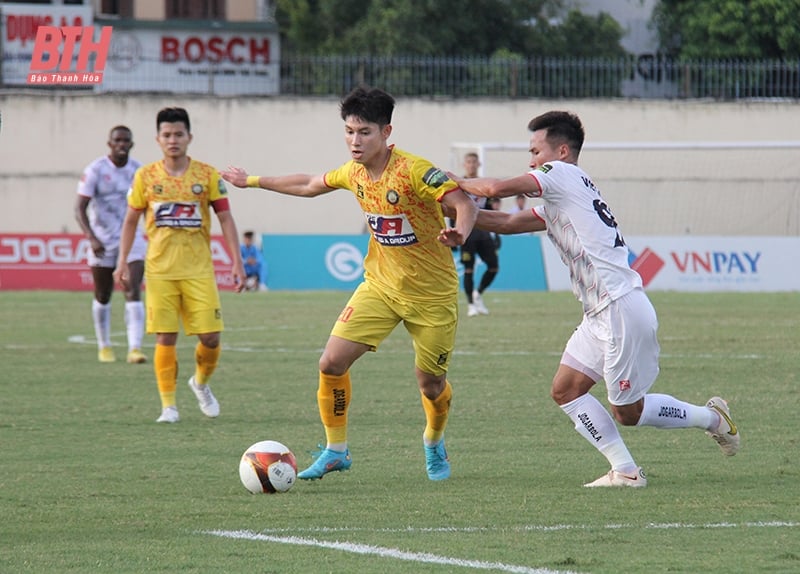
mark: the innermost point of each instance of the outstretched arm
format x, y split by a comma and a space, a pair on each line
524, 221
489, 187
299, 185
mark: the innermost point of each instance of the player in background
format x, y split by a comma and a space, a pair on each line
520, 201
176, 195
100, 209
409, 276
480, 243
253, 263
616, 340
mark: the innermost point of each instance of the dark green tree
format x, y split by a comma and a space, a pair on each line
735, 29
444, 28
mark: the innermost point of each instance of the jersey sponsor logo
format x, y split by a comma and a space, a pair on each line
391, 230
178, 214
435, 177
221, 186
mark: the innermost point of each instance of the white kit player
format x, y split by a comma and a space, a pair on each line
100, 210
616, 340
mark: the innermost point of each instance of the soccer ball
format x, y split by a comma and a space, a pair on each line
268, 467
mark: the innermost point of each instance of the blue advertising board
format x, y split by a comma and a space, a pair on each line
335, 262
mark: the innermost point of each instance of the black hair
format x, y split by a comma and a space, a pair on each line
119, 128
172, 115
562, 127
370, 104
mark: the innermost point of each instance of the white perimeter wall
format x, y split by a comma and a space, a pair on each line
46, 141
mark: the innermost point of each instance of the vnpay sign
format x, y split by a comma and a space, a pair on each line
697, 265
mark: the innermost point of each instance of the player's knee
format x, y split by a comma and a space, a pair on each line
627, 415
330, 366
210, 340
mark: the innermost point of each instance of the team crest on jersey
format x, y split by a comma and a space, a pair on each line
158, 190
435, 177
197, 189
391, 230
392, 197
545, 168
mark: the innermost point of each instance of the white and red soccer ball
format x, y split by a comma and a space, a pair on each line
268, 467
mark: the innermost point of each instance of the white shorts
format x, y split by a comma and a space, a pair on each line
109, 258
620, 346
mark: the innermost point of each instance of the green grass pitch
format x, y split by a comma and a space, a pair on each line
90, 483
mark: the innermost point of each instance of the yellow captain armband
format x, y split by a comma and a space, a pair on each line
252, 180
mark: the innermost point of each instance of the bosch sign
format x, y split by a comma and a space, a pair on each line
215, 50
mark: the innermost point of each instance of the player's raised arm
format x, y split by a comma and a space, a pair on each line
299, 185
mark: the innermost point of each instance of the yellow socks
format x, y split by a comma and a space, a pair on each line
206, 360
333, 398
165, 364
436, 412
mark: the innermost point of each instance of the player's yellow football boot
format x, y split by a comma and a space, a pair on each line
106, 355
136, 356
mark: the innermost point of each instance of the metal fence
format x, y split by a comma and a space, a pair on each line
643, 77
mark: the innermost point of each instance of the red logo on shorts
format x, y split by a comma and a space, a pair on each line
625, 385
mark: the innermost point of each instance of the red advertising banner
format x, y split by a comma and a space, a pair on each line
58, 261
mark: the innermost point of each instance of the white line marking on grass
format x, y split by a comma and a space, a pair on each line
422, 557
546, 528
249, 347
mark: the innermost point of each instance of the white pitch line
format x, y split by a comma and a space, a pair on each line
422, 557
541, 527
257, 348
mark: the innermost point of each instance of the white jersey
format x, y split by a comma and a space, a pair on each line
585, 233
107, 185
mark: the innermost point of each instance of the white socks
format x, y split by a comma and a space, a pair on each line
101, 315
666, 412
594, 423
134, 321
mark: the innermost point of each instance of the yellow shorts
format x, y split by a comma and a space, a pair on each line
193, 302
370, 316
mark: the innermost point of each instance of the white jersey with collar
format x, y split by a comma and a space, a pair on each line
107, 185
585, 233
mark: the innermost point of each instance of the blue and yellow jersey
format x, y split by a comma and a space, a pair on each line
177, 218
404, 258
